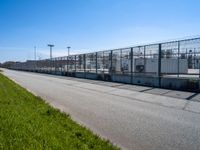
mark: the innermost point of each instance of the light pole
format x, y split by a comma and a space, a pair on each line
68, 49
50, 45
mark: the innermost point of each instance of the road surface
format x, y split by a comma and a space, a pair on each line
130, 119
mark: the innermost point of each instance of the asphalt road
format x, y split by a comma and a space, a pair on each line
130, 119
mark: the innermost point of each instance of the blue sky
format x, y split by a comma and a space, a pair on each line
91, 25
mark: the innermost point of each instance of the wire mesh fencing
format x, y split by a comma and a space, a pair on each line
173, 65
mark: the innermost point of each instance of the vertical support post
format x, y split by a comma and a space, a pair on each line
159, 64
111, 63
50, 52
54, 65
131, 57
103, 61
96, 62
35, 66
50, 59
63, 65
199, 67
178, 59
67, 65
60, 65
121, 61
145, 59
194, 58
75, 64
35, 58
84, 65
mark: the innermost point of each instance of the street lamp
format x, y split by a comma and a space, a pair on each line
68, 49
50, 45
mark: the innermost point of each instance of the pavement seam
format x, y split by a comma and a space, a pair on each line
187, 103
116, 86
165, 93
146, 90
190, 97
159, 104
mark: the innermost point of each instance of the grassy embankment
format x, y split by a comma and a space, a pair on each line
27, 122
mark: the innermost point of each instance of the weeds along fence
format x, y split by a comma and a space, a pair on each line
172, 65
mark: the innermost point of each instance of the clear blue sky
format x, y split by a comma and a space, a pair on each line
91, 25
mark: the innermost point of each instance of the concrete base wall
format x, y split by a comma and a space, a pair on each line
58, 73
80, 74
146, 81
180, 84
91, 76
121, 78
70, 74
173, 83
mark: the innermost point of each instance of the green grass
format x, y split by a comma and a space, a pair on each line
27, 122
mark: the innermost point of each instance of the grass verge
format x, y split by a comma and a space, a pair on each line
27, 122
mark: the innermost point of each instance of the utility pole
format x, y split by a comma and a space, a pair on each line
50, 45
68, 49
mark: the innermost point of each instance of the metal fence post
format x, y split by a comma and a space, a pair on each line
199, 68
55, 65
60, 65
84, 65
178, 58
35, 65
131, 57
96, 62
121, 61
111, 61
145, 60
75, 63
159, 65
67, 64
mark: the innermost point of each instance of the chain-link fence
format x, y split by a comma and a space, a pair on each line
174, 65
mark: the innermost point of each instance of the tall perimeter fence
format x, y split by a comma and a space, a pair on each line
171, 65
